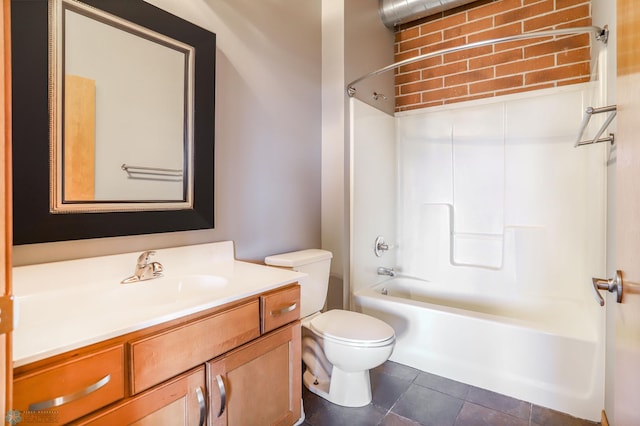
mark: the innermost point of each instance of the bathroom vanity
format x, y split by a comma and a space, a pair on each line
232, 357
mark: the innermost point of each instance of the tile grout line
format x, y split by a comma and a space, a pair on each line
464, 400
396, 402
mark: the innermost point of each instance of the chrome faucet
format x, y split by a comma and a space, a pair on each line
386, 271
144, 269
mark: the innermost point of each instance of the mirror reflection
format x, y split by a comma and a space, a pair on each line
113, 112
124, 135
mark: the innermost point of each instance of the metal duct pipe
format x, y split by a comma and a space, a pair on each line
394, 12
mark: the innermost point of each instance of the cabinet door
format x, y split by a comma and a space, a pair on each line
259, 383
180, 401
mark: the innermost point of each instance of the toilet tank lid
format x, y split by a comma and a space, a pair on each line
298, 258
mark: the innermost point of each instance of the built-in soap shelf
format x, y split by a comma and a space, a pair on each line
588, 113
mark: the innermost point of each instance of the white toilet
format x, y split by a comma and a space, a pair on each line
338, 347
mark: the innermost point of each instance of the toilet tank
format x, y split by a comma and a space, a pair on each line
316, 264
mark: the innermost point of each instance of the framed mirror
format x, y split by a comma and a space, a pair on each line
113, 120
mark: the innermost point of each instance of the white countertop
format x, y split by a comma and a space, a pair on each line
66, 305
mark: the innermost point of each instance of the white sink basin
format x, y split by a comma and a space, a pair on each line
112, 298
170, 290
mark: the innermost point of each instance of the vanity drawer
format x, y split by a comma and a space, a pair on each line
161, 356
70, 389
279, 307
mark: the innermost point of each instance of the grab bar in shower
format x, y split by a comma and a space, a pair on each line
588, 113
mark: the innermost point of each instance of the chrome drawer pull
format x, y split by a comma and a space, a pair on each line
55, 402
202, 404
223, 395
283, 310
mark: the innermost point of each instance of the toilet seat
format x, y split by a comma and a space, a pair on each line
352, 328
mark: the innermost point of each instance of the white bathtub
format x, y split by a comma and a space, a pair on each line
545, 352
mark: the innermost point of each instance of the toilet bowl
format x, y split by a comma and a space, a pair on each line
338, 347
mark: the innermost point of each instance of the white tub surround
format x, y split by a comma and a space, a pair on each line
501, 220
66, 305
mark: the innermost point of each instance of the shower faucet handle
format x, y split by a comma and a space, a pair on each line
380, 246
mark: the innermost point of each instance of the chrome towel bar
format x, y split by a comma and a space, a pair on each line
151, 170
585, 121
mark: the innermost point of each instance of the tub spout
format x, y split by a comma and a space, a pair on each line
386, 271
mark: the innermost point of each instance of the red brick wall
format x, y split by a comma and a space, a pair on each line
497, 69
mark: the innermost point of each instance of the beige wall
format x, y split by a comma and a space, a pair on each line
354, 42
334, 227
268, 134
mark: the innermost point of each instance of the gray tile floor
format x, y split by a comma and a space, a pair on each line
404, 396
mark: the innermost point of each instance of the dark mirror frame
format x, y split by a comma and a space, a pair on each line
32, 220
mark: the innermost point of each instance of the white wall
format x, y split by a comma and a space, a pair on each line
268, 133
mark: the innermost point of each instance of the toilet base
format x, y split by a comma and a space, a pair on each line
302, 415
348, 389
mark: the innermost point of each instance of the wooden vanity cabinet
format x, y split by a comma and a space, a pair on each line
259, 383
243, 357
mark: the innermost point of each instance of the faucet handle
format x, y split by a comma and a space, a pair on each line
381, 246
157, 268
143, 259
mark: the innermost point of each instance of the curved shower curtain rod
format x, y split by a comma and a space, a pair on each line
601, 34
